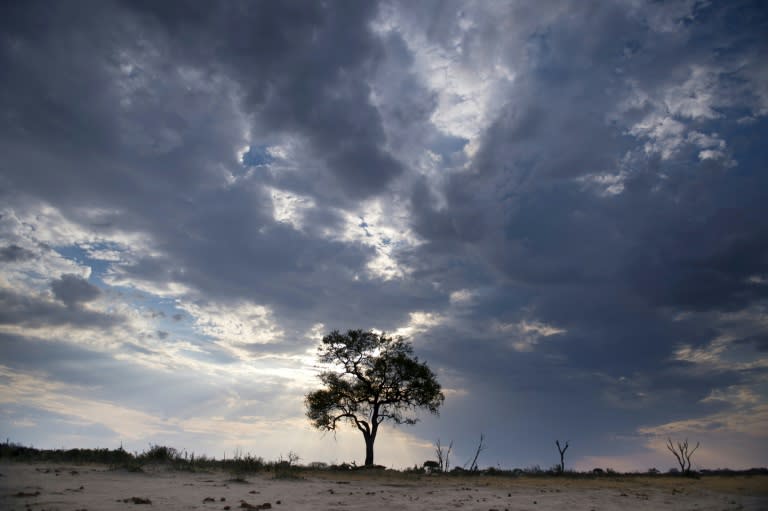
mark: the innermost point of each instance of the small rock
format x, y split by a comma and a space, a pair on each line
136, 500
246, 505
24, 494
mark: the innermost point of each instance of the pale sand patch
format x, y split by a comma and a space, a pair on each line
94, 488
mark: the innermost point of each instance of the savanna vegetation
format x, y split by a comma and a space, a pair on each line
289, 466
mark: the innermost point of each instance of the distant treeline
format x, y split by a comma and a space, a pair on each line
246, 463
608, 472
121, 459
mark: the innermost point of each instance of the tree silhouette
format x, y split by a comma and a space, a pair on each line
480, 448
377, 379
682, 454
443, 455
562, 450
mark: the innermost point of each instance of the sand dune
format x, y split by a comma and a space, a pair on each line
96, 488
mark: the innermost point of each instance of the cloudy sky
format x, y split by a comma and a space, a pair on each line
564, 205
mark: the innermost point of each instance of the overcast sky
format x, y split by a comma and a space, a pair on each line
564, 205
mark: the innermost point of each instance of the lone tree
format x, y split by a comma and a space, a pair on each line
377, 379
443, 456
683, 454
561, 450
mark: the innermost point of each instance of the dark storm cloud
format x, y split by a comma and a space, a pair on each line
126, 130
613, 271
18, 309
59, 360
760, 342
303, 67
73, 290
13, 253
683, 236
80, 83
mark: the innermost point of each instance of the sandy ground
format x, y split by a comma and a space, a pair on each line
95, 488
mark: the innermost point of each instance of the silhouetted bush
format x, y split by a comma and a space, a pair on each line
159, 454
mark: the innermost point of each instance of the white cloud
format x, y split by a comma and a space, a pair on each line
41, 228
606, 184
419, 322
738, 395
720, 354
696, 98
711, 154
467, 90
745, 420
290, 208
383, 227
525, 335
234, 324
157, 287
665, 135
461, 297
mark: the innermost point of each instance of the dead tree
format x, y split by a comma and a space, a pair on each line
562, 450
682, 454
480, 448
443, 455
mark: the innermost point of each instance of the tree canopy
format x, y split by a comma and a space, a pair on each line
374, 378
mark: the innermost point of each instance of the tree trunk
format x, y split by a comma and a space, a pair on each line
369, 450
370, 436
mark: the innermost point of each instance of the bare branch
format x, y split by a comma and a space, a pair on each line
480, 448
440, 454
562, 450
682, 454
